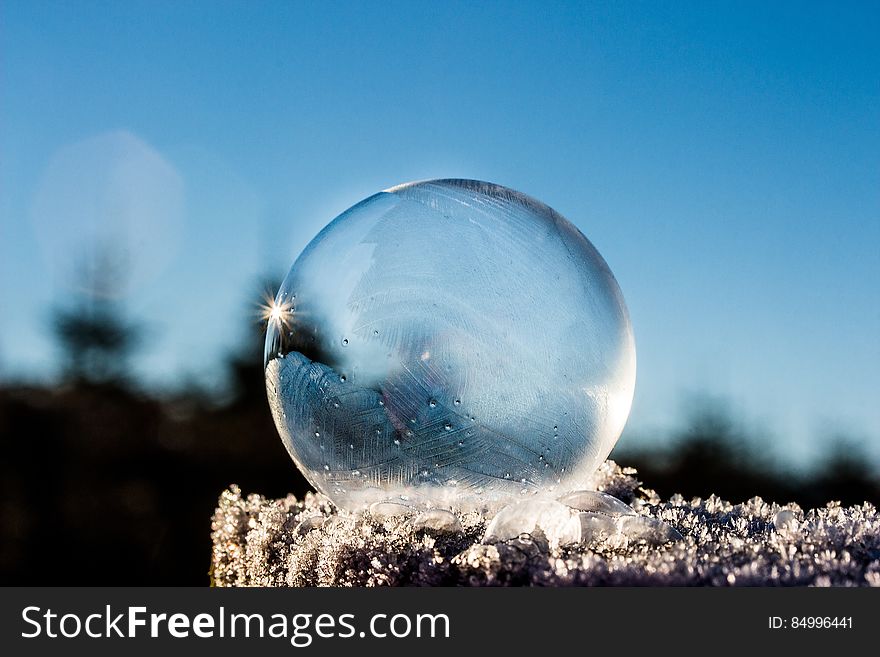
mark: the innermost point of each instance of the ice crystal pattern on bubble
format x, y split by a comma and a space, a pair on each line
449, 340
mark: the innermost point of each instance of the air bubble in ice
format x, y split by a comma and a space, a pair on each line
786, 521
647, 530
310, 523
436, 304
437, 520
547, 519
596, 502
383, 510
596, 527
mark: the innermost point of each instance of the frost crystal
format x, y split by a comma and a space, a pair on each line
258, 542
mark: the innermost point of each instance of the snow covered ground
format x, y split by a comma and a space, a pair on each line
290, 542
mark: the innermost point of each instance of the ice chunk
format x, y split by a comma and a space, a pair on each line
549, 519
594, 501
438, 520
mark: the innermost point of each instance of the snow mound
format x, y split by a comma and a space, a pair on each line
677, 542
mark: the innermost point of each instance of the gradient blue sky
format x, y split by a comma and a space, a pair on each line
723, 157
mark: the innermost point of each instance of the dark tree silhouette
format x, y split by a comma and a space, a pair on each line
711, 454
93, 333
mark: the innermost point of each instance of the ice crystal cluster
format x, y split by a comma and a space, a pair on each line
453, 341
616, 533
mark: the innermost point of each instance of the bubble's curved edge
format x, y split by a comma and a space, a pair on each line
481, 187
271, 351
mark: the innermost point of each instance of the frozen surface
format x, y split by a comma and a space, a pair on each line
449, 341
674, 542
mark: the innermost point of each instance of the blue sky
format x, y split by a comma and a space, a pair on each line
723, 157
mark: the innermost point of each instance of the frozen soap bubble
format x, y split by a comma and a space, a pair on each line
449, 342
